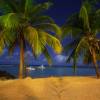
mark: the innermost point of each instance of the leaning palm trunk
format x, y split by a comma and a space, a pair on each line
21, 66
95, 63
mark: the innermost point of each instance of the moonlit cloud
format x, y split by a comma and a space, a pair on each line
28, 54
60, 58
28, 57
44, 59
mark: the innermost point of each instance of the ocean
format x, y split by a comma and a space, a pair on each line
49, 71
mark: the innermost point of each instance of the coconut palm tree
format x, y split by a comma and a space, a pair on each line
83, 27
23, 22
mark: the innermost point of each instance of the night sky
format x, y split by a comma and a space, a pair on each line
60, 11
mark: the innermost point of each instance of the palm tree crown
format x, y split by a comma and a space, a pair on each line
84, 26
22, 22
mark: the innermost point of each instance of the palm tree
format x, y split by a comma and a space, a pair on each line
22, 22
84, 26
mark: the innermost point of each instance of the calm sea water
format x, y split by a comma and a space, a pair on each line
50, 71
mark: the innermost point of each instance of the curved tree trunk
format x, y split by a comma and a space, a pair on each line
95, 63
21, 66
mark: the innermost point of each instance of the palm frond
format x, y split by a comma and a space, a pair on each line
73, 21
12, 46
49, 28
42, 19
84, 17
11, 5
66, 31
92, 2
70, 20
89, 6
47, 55
28, 6
32, 36
73, 57
74, 31
4, 7
54, 43
98, 57
10, 21
83, 44
2, 42
6, 38
41, 7
72, 44
95, 22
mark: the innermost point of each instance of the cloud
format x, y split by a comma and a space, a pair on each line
28, 54
60, 58
16, 56
44, 59
28, 57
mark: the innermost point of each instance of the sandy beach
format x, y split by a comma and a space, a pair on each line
52, 88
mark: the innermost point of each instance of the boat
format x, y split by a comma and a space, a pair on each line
30, 68
41, 67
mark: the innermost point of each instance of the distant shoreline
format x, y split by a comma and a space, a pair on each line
55, 66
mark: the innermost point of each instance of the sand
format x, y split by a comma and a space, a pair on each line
52, 88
